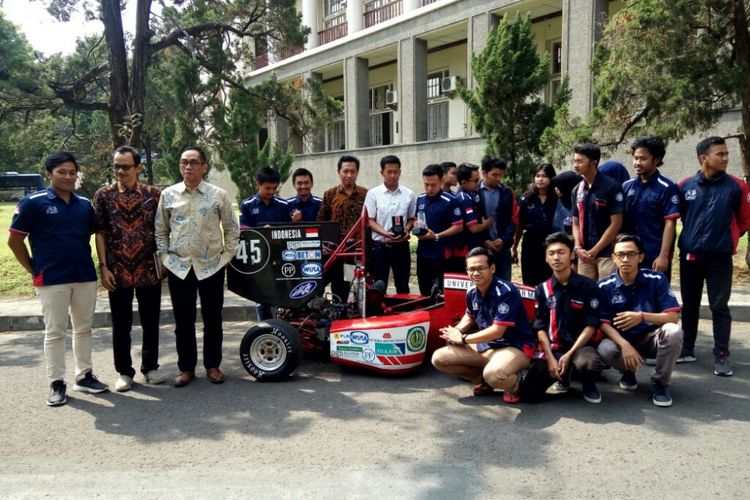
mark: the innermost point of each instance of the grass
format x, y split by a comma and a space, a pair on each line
14, 280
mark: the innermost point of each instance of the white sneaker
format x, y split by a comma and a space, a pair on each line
124, 383
153, 377
557, 388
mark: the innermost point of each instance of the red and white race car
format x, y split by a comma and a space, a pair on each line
284, 266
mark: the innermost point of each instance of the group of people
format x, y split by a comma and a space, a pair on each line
463, 222
603, 295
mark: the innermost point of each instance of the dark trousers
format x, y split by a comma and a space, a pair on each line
121, 305
386, 256
503, 264
586, 362
335, 277
429, 273
184, 294
534, 267
716, 271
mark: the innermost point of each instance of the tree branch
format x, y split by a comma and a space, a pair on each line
198, 30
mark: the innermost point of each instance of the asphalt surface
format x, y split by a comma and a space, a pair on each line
328, 433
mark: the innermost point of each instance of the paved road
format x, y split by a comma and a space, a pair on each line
332, 434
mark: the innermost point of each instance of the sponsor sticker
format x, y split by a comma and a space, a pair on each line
288, 270
359, 337
346, 354
416, 339
390, 349
296, 245
290, 255
303, 290
349, 348
386, 336
368, 355
312, 269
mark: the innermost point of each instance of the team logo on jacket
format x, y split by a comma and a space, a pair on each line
551, 302
51, 210
456, 211
594, 303
675, 199
618, 197
255, 211
691, 194
618, 299
503, 308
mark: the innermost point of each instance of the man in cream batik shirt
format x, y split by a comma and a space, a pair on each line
197, 234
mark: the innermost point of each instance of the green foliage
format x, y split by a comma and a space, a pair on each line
506, 104
558, 141
667, 67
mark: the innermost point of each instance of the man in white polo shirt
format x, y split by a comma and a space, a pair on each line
390, 209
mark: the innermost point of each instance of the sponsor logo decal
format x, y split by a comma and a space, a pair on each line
288, 270
348, 348
390, 349
346, 354
296, 245
386, 335
416, 339
289, 255
312, 269
368, 355
303, 290
359, 337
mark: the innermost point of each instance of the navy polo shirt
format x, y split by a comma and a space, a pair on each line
254, 213
535, 217
471, 209
59, 235
563, 311
308, 208
593, 205
501, 305
647, 206
649, 293
440, 212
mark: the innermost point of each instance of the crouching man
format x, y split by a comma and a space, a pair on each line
639, 317
493, 340
567, 316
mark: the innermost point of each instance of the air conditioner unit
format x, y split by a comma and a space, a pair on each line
391, 98
449, 84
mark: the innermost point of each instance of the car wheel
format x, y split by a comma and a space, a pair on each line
270, 350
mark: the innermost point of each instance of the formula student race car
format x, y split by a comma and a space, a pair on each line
283, 266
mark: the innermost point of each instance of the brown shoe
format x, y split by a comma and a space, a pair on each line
184, 379
214, 375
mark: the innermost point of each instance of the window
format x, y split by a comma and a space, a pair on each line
336, 133
381, 117
553, 87
437, 106
334, 7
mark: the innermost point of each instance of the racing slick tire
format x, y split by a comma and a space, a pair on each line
270, 350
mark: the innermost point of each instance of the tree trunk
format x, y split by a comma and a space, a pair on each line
149, 161
141, 59
742, 48
118, 66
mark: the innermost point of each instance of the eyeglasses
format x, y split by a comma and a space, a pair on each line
478, 269
628, 255
192, 163
124, 168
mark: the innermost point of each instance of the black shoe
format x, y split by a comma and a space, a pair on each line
57, 395
660, 395
628, 381
591, 393
89, 383
686, 356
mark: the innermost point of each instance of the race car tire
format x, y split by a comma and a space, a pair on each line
270, 350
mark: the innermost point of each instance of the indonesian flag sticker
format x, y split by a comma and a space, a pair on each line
311, 232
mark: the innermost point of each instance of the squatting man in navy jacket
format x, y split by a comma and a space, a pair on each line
639, 317
493, 340
567, 316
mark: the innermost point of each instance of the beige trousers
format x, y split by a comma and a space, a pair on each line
498, 367
597, 270
58, 301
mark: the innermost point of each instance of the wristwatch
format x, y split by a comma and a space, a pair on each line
463, 338
437, 237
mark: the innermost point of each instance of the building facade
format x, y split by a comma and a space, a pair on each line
395, 64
